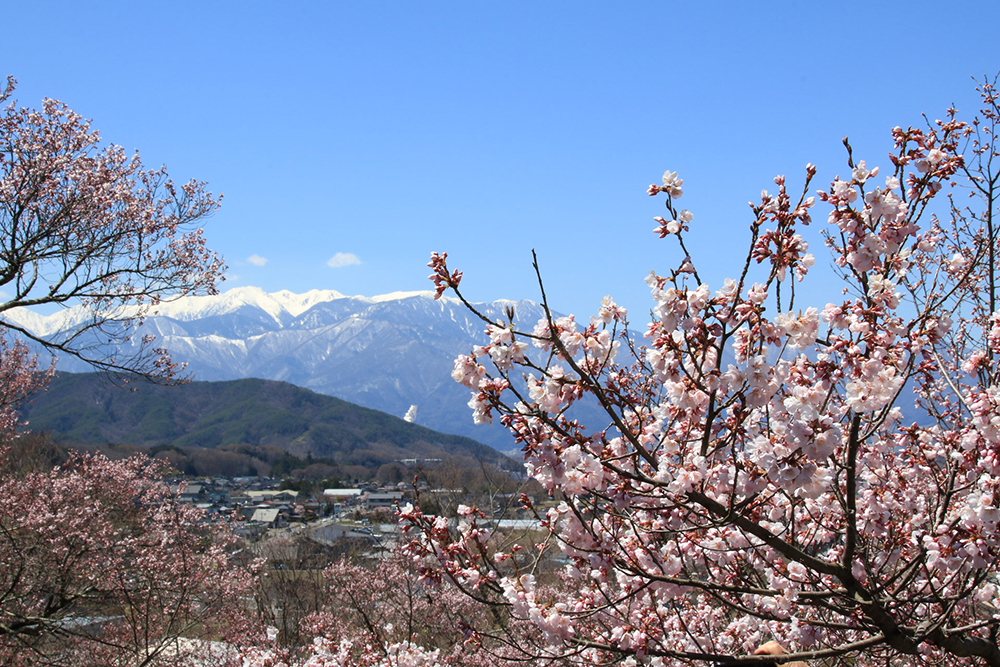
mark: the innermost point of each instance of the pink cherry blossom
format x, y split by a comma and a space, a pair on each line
84, 222
758, 470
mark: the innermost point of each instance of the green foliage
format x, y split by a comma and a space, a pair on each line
257, 422
303, 486
285, 465
153, 451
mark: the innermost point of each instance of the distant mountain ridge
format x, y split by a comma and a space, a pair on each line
387, 352
87, 409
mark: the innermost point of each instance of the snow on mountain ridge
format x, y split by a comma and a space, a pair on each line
47, 325
296, 304
398, 296
388, 352
189, 308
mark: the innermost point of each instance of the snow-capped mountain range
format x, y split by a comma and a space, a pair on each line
388, 352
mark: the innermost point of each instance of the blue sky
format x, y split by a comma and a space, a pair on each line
385, 130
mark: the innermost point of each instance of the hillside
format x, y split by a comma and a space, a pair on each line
250, 414
389, 352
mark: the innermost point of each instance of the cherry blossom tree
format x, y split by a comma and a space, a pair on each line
85, 223
20, 377
101, 565
99, 562
825, 476
382, 614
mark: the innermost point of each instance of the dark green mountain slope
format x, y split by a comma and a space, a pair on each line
87, 409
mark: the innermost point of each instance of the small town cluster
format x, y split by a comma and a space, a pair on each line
259, 505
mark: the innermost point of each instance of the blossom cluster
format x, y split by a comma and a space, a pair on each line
758, 472
104, 535
86, 222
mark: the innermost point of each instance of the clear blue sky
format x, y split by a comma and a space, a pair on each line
385, 130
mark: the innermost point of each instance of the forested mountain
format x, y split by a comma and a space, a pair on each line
388, 352
250, 416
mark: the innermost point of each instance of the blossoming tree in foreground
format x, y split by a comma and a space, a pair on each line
761, 473
100, 564
382, 615
85, 223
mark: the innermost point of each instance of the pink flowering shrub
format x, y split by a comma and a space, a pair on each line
101, 565
384, 614
761, 473
20, 377
99, 562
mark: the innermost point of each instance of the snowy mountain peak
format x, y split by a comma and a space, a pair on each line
296, 304
196, 307
397, 296
281, 306
393, 352
278, 304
